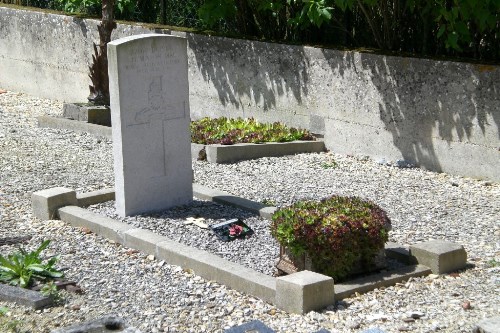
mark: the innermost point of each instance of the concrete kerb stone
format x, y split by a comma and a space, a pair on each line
304, 291
143, 240
23, 296
212, 267
398, 252
206, 193
441, 256
247, 151
103, 226
46, 202
95, 197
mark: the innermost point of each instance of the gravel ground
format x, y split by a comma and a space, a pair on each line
156, 297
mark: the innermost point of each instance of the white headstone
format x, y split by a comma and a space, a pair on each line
149, 97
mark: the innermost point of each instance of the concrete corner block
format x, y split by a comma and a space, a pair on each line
267, 212
45, 203
304, 291
198, 152
439, 255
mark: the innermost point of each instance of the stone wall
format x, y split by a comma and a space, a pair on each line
440, 115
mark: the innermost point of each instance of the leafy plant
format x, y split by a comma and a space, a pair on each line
493, 263
329, 165
268, 202
335, 232
13, 326
50, 289
230, 131
3, 310
23, 268
123, 8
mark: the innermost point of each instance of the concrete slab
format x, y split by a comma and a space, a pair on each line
488, 325
95, 197
441, 256
304, 291
370, 282
72, 125
46, 202
103, 226
24, 297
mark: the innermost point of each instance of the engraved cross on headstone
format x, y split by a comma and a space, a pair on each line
158, 111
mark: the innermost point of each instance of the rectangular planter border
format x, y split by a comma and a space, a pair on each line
212, 153
210, 266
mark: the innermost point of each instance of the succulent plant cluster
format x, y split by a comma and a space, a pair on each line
336, 232
228, 131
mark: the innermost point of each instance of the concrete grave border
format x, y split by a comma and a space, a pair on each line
213, 153
311, 291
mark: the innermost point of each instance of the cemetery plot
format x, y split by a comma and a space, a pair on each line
442, 256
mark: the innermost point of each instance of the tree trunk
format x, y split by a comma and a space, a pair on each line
99, 90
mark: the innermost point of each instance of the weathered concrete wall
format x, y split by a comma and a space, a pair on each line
440, 115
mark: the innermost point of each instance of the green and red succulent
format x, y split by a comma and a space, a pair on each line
335, 232
228, 131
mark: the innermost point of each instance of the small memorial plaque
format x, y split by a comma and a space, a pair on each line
231, 229
254, 326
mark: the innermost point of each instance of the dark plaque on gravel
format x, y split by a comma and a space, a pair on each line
231, 229
14, 240
254, 326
